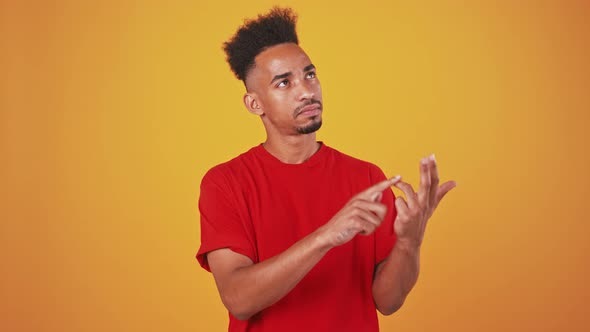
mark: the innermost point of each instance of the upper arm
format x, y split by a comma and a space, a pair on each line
223, 263
224, 220
378, 268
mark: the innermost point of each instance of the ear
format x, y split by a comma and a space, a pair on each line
252, 104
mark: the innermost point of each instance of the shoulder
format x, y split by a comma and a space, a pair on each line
224, 172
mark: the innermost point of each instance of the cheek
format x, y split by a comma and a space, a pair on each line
274, 102
317, 88
287, 99
277, 105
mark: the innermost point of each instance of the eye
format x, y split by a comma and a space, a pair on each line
282, 84
311, 74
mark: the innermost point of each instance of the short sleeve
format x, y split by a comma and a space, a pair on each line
222, 224
384, 235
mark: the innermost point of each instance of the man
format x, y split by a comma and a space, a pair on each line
298, 236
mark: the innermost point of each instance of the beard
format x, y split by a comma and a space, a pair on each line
316, 123
310, 128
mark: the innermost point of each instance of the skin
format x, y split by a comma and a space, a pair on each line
277, 101
279, 85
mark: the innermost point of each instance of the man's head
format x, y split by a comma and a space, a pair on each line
280, 79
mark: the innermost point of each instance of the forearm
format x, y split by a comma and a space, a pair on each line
395, 277
258, 286
248, 288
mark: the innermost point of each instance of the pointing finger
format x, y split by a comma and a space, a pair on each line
371, 192
377, 197
375, 208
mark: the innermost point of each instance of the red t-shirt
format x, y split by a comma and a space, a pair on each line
258, 206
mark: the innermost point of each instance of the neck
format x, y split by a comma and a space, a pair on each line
292, 149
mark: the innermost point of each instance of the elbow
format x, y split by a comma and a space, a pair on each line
390, 308
236, 309
240, 315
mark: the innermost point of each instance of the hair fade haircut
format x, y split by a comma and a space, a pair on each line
256, 35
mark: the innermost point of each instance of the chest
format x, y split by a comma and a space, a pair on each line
283, 209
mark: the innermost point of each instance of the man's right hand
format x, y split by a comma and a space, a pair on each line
247, 288
361, 215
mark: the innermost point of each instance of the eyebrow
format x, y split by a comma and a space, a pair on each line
281, 76
308, 68
287, 74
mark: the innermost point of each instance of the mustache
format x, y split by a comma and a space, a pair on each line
307, 103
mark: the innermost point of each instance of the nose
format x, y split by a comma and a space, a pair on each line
306, 91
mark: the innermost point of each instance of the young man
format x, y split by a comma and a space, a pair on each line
298, 236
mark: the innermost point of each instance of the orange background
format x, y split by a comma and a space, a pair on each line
111, 112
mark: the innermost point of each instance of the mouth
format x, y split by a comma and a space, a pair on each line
310, 110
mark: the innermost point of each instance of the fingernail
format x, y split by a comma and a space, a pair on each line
396, 178
432, 157
423, 161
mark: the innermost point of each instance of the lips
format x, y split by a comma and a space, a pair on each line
310, 110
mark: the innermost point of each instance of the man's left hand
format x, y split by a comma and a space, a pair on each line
413, 215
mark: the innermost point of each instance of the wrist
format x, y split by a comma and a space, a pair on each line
321, 240
408, 246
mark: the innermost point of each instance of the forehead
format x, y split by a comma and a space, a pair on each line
280, 59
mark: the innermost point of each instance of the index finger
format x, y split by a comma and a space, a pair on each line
379, 187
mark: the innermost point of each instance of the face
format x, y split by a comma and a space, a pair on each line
284, 90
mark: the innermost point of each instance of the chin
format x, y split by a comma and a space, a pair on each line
311, 128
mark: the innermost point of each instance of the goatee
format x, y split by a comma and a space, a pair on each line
311, 128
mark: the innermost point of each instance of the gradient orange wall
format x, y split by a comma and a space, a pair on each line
111, 112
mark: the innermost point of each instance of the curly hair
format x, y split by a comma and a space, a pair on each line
254, 36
